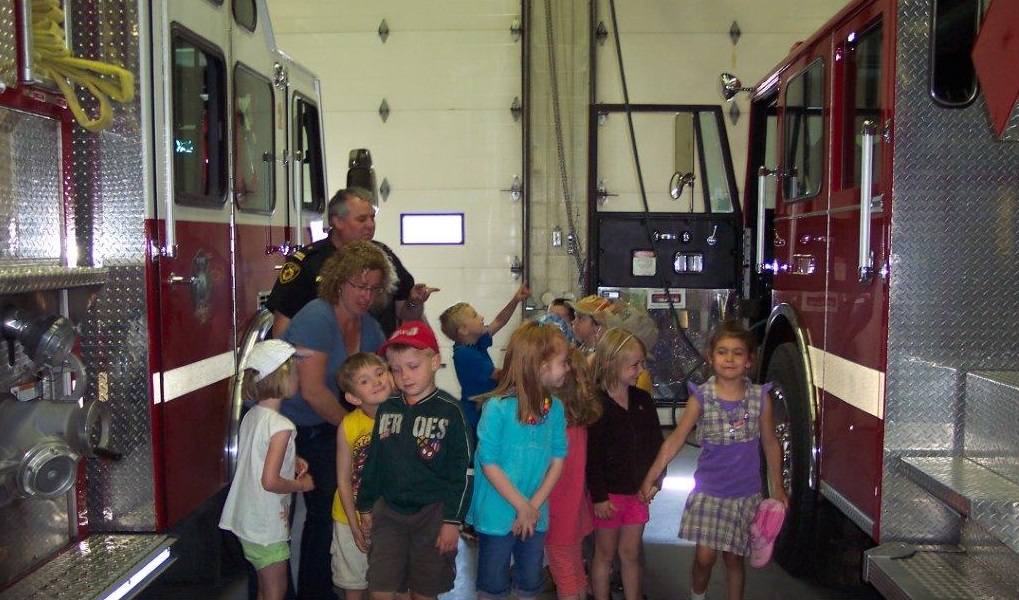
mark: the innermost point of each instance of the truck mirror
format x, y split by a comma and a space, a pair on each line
729, 85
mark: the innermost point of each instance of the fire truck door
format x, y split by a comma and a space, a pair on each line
194, 280
853, 359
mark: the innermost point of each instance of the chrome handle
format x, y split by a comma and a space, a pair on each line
174, 279
763, 173
865, 256
169, 247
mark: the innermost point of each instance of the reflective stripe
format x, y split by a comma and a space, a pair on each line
851, 382
184, 380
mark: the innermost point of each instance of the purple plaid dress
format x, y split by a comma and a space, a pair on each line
728, 482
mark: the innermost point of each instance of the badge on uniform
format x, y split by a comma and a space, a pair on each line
289, 272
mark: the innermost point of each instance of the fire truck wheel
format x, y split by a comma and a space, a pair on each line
792, 426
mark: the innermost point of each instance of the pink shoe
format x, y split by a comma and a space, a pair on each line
763, 531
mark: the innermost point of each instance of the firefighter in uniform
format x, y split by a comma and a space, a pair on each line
351, 218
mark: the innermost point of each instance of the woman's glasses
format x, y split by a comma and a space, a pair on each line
371, 289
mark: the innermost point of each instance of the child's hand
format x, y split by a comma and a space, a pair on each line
300, 467
522, 293
526, 521
365, 523
449, 534
306, 482
781, 497
604, 510
361, 539
647, 492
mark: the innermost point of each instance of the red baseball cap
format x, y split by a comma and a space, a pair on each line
416, 334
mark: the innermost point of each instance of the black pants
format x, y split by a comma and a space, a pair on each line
317, 445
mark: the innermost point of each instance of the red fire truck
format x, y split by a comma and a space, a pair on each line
883, 237
158, 158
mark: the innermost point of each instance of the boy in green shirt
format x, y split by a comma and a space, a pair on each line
417, 481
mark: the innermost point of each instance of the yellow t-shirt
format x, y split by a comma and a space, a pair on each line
357, 433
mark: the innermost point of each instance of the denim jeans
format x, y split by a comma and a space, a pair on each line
494, 554
317, 445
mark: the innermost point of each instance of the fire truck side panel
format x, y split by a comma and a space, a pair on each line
195, 338
854, 357
953, 268
156, 322
851, 461
893, 349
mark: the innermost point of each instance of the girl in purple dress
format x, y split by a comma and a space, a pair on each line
734, 421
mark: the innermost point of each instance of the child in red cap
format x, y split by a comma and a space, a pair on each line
417, 480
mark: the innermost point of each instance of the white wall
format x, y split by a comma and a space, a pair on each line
673, 53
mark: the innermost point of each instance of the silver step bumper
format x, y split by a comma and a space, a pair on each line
903, 571
99, 567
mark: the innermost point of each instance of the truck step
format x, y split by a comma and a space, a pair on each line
904, 571
98, 567
973, 491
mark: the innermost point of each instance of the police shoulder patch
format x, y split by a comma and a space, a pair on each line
289, 272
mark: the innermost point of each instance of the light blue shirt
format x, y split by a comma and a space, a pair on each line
524, 452
315, 327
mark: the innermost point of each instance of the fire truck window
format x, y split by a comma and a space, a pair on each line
862, 102
254, 176
804, 133
953, 77
199, 154
308, 155
716, 183
245, 13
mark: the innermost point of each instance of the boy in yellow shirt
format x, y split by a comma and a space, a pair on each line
366, 382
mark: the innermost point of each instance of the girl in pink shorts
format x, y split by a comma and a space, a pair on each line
621, 446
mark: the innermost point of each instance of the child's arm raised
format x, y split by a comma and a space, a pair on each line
772, 450
671, 447
272, 479
500, 320
344, 473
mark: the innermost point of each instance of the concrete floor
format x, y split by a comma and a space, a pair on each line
667, 569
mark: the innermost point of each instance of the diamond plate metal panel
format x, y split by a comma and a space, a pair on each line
954, 261
20, 280
108, 214
30, 192
8, 45
121, 493
992, 403
91, 569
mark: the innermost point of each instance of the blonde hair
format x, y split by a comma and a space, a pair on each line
274, 385
352, 260
452, 319
578, 392
610, 353
347, 372
529, 348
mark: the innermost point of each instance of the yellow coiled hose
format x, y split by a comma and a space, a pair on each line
53, 60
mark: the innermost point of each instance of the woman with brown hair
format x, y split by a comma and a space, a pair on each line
326, 331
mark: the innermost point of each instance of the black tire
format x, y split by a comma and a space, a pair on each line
793, 425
